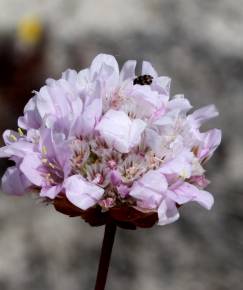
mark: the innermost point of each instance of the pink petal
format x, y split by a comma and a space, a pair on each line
14, 182
51, 192
29, 166
211, 141
167, 212
19, 149
150, 188
188, 192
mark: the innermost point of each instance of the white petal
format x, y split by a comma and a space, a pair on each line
148, 69
70, 75
203, 114
114, 128
81, 193
162, 84
44, 102
167, 212
179, 103
119, 131
136, 130
101, 61
128, 70
154, 180
205, 199
180, 165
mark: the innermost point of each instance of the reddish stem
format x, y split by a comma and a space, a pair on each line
108, 241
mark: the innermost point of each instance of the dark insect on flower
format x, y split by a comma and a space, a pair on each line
143, 80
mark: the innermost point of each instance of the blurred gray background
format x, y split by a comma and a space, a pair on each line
199, 44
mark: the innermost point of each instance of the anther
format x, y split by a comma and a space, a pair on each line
44, 150
13, 138
21, 133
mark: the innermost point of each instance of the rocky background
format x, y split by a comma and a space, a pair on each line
199, 44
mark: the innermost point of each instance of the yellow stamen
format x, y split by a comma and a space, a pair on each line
21, 133
13, 138
44, 150
44, 160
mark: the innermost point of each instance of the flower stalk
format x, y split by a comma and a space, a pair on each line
105, 256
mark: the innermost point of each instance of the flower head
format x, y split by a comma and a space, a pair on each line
104, 144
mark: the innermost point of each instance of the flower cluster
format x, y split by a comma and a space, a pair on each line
108, 139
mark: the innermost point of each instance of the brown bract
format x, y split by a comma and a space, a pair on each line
126, 217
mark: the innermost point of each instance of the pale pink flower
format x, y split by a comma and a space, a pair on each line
108, 141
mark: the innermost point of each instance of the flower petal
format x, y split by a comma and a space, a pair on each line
167, 212
149, 189
148, 69
119, 131
10, 136
187, 192
180, 165
128, 70
19, 149
31, 118
205, 199
81, 193
211, 141
162, 85
51, 192
14, 182
179, 103
107, 65
29, 167
135, 132
70, 75
203, 114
